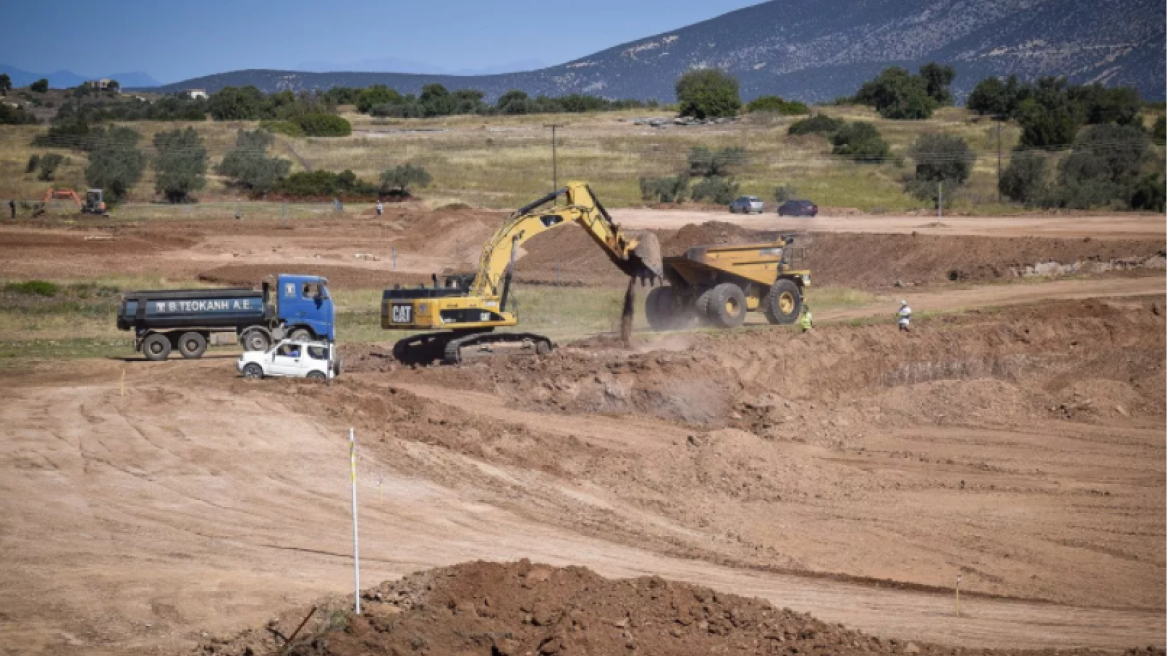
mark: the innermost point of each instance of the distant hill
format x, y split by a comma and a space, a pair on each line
63, 79
816, 50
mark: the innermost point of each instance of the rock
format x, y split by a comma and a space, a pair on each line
912, 648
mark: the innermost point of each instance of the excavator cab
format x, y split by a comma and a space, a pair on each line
93, 202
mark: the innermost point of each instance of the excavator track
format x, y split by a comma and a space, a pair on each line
454, 349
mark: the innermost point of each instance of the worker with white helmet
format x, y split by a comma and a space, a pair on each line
904, 316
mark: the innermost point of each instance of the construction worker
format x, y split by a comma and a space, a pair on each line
380, 208
805, 321
904, 316
12, 208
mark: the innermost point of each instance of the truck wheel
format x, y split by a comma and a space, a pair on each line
253, 370
665, 311
192, 345
727, 306
301, 335
316, 375
701, 304
156, 347
255, 340
783, 302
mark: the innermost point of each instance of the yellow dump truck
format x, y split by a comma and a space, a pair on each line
718, 285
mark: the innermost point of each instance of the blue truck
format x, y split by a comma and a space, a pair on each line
285, 306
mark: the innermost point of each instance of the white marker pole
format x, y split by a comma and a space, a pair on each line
356, 558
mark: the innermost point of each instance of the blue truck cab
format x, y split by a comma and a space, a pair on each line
286, 306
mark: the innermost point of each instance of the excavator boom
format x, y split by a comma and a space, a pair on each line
468, 310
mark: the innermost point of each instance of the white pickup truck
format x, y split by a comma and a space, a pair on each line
295, 358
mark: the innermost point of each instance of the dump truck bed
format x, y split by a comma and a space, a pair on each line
758, 262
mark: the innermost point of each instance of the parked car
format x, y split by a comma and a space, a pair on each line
798, 208
295, 358
746, 205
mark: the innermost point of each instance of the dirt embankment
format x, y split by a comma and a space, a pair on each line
517, 609
858, 260
1054, 356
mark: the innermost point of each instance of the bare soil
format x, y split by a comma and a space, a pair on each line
853, 472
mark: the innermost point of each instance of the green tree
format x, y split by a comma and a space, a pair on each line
34, 161
941, 159
1150, 193
40, 86
861, 141
707, 93
237, 104
115, 163
398, 180
15, 116
513, 102
989, 97
377, 94
248, 166
937, 80
319, 124
897, 94
48, 165
181, 165
1158, 131
1024, 179
5, 84
1048, 117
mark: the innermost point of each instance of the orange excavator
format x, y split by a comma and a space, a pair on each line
93, 203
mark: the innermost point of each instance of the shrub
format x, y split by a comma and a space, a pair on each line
707, 93
1024, 179
319, 124
861, 141
703, 162
784, 193
5, 84
248, 166
115, 163
937, 79
818, 124
1149, 194
181, 165
325, 183
1047, 125
34, 160
718, 190
40, 86
49, 164
33, 288
777, 105
238, 104
664, 190
398, 180
283, 127
15, 116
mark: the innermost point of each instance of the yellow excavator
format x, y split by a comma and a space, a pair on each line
467, 308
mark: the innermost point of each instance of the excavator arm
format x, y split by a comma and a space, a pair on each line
638, 256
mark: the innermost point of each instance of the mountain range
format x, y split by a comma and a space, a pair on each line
64, 79
816, 50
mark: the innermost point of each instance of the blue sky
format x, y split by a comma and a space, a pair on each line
176, 40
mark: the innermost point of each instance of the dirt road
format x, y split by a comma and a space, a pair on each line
132, 523
1125, 225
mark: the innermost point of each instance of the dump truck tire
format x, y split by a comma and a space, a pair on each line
301, 335
702, 304
783, 302
255, 339
192, 345
661, 308
727, 306
156, 347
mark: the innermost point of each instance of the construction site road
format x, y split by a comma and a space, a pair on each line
132, 523
1125, 225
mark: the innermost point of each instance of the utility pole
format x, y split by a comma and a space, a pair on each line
999, 159
555, 167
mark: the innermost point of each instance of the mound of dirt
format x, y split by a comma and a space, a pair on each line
516, 609
710, 232
864, 261
339, 277
456, 234
710, 383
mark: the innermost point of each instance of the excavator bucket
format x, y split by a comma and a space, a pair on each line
646, 258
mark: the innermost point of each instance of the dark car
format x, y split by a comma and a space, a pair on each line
798, 208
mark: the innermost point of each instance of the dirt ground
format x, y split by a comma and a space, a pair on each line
852, 473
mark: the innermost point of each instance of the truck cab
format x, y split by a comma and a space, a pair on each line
303, 302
